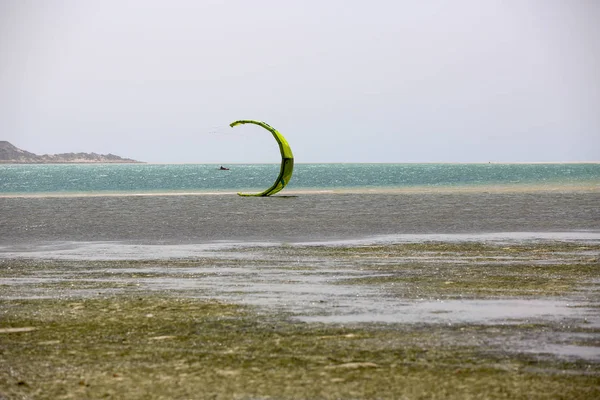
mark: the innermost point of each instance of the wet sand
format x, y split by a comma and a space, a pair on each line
583, 187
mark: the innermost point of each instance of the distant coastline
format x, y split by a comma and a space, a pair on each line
10, 154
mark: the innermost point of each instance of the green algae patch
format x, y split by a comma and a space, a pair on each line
475, 270
153, 347
470, 249
483, 281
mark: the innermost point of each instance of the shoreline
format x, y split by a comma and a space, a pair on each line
587, 187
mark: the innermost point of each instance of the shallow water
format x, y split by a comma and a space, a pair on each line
200, 219
72, 250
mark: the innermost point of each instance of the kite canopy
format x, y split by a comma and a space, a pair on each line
287, 159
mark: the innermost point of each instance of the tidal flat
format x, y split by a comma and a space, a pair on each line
451, 320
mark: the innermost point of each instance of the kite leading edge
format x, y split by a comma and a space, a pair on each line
287, 159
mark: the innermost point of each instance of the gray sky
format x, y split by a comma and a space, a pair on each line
343, 80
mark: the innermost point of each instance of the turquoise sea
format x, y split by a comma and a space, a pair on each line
165, 178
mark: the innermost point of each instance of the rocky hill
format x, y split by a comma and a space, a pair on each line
10, 154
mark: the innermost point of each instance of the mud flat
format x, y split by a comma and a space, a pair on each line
426, 319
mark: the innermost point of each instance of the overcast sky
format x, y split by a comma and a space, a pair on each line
343, 80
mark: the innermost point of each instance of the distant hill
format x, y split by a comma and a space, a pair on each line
10, 154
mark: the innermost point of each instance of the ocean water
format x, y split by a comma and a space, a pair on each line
144, 204
157, 178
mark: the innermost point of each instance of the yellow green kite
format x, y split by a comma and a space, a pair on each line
287, 159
